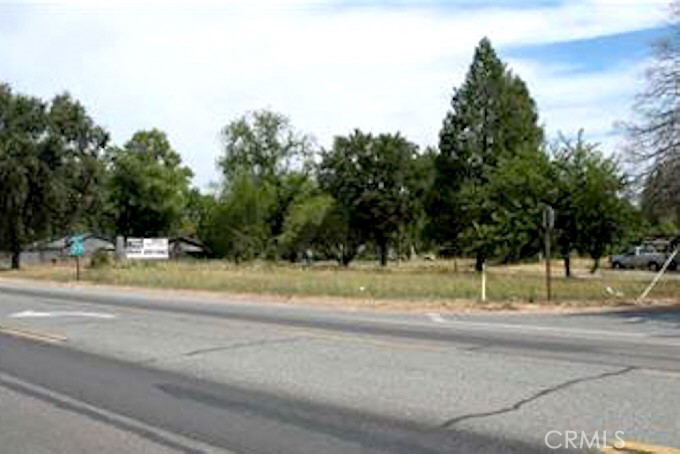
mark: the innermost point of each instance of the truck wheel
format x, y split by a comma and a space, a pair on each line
617, 266
653, 266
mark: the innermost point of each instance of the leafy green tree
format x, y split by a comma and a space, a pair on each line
197, 213
25, 193
265, 145
415, 237
50, 172
302, 229
511, 202
73, 134
289, 189
238, 227
592, 212
374, 180
336, 238
316, 223
263, 148
492, 117
148, 186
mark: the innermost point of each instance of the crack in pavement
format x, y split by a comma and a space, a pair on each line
477, 348
258, 343
544, 392
201, 351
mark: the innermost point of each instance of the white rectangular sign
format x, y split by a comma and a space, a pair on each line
147, 248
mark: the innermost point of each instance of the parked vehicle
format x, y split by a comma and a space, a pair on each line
642, 257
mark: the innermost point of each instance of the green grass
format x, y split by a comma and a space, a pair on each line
430, 281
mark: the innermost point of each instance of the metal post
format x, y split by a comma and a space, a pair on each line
548, 225
548, 273
120, 248
483, 282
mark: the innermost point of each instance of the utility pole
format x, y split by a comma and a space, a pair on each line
548, 225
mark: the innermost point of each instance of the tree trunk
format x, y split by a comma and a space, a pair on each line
16, 260
567, 266
382, 246
479, 262
347, 254
596, 265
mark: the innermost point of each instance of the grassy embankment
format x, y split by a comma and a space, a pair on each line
423, 281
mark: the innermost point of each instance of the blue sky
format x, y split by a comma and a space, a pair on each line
592, 54
191, 67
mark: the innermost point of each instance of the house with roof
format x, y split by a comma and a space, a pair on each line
58, 249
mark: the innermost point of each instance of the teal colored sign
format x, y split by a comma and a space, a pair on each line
76, 246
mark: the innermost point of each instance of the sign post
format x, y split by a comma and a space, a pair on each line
548, 225
77, 249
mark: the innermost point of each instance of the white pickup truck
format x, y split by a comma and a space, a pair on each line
642, 257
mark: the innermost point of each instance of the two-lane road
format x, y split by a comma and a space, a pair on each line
168, 373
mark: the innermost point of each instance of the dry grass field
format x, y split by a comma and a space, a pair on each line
433, 281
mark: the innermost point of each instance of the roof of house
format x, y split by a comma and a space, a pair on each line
188, 244
61, 243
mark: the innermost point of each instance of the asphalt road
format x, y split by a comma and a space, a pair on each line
94, 370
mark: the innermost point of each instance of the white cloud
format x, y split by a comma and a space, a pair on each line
570, 101
190, 69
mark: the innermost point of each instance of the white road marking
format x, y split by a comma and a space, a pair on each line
124, 422
550, 329
435, 317
661, 373
569, 332
55, 314
563, 331
490, 326
555, 331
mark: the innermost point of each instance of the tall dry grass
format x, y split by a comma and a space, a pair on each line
436, 281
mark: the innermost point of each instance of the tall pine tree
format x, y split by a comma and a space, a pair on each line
492, 118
